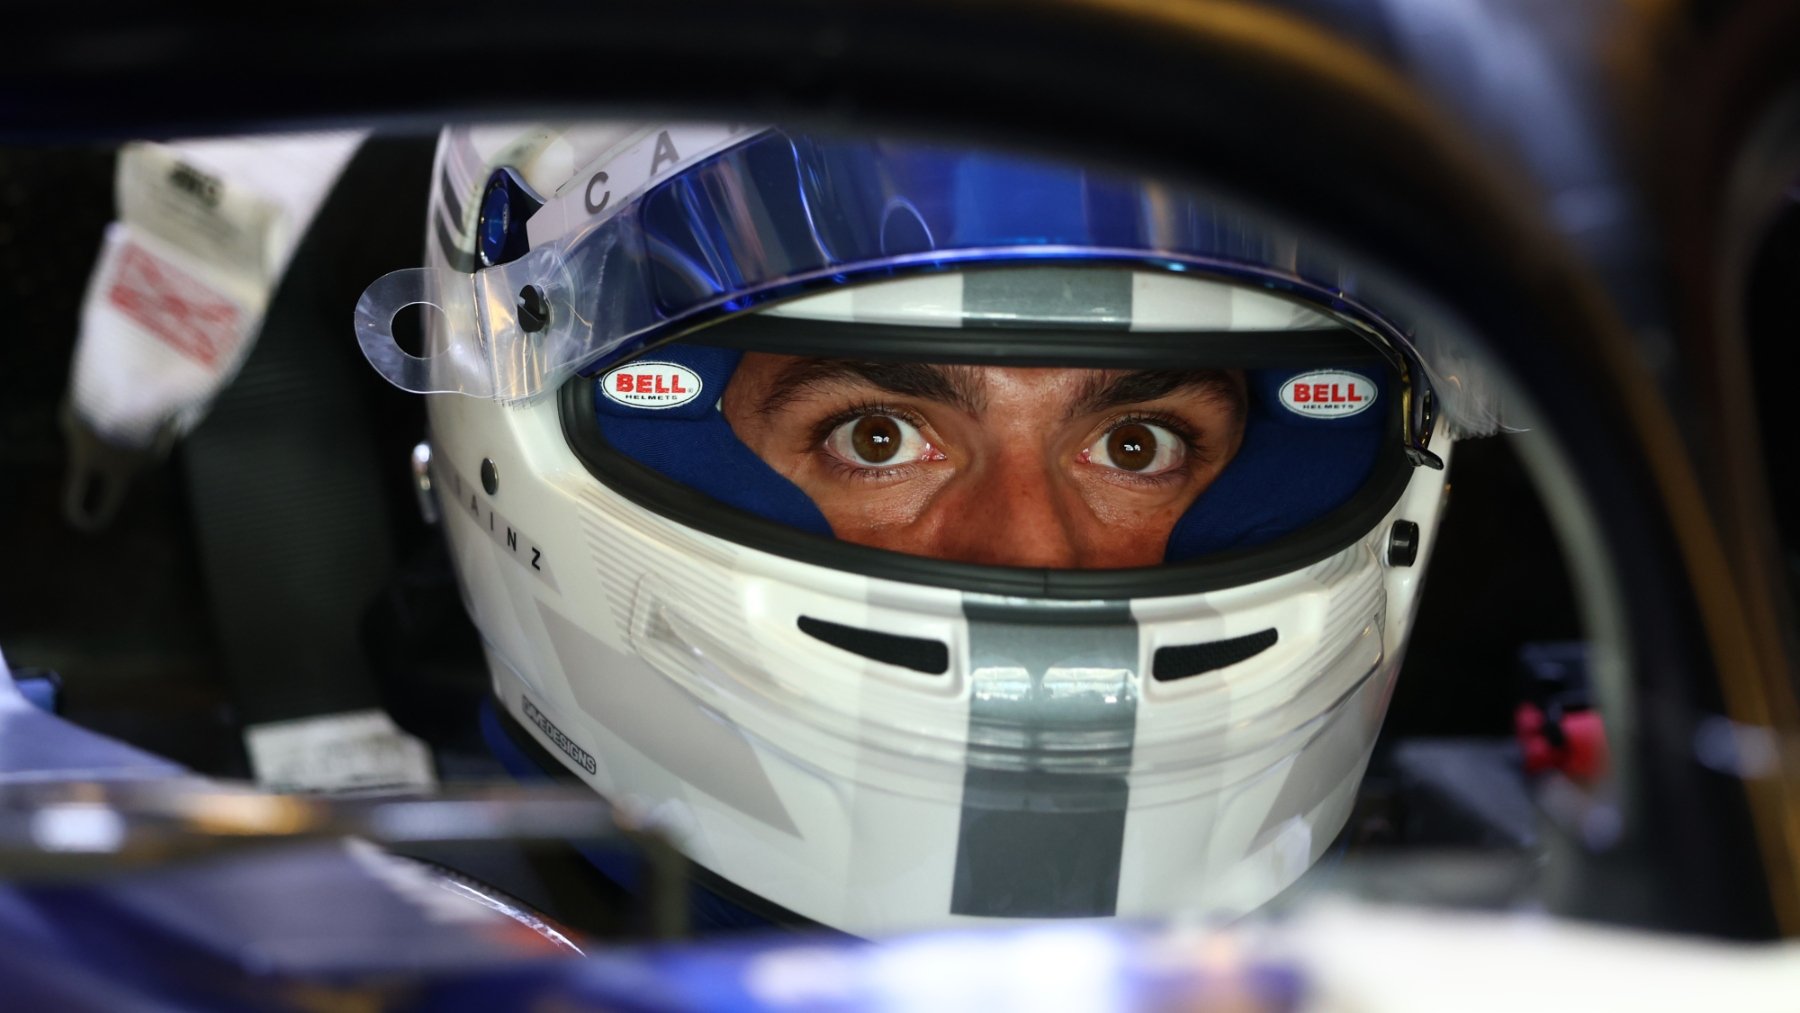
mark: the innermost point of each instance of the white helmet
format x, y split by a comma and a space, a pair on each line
870, 739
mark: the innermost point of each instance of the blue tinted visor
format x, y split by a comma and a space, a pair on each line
639, 248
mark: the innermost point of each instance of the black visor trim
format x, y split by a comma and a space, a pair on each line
1185, 660
1040, 346
917, 653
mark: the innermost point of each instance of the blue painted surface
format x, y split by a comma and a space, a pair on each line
312, 925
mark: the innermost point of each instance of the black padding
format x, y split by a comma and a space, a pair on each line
917, 653
1062, 346
1191, 659
289, 476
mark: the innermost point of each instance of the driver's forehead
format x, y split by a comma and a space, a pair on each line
780, 381
820, 373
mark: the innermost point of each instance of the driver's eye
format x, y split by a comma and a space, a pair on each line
876, 441
1140, 447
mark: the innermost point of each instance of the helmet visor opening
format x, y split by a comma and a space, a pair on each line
1010, 449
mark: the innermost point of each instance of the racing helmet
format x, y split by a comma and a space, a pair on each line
879, 739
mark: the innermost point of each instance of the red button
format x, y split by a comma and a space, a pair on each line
1583, 753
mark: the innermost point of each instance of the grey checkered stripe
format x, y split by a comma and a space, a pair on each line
1054, 687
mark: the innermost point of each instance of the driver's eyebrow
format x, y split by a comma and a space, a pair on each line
1101, 393
960, 387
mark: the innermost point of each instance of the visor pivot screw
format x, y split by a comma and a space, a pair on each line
1403, 543
534, 309
490, 477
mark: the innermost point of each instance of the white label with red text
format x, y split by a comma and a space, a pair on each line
651, 385
1328, 394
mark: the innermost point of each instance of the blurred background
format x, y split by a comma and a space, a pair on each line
274, 564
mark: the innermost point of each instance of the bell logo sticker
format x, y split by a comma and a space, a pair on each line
651, 385
1328, 394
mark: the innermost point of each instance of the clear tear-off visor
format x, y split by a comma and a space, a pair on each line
645, 244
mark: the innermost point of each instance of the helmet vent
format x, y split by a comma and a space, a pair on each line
1180, 662
929, 656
